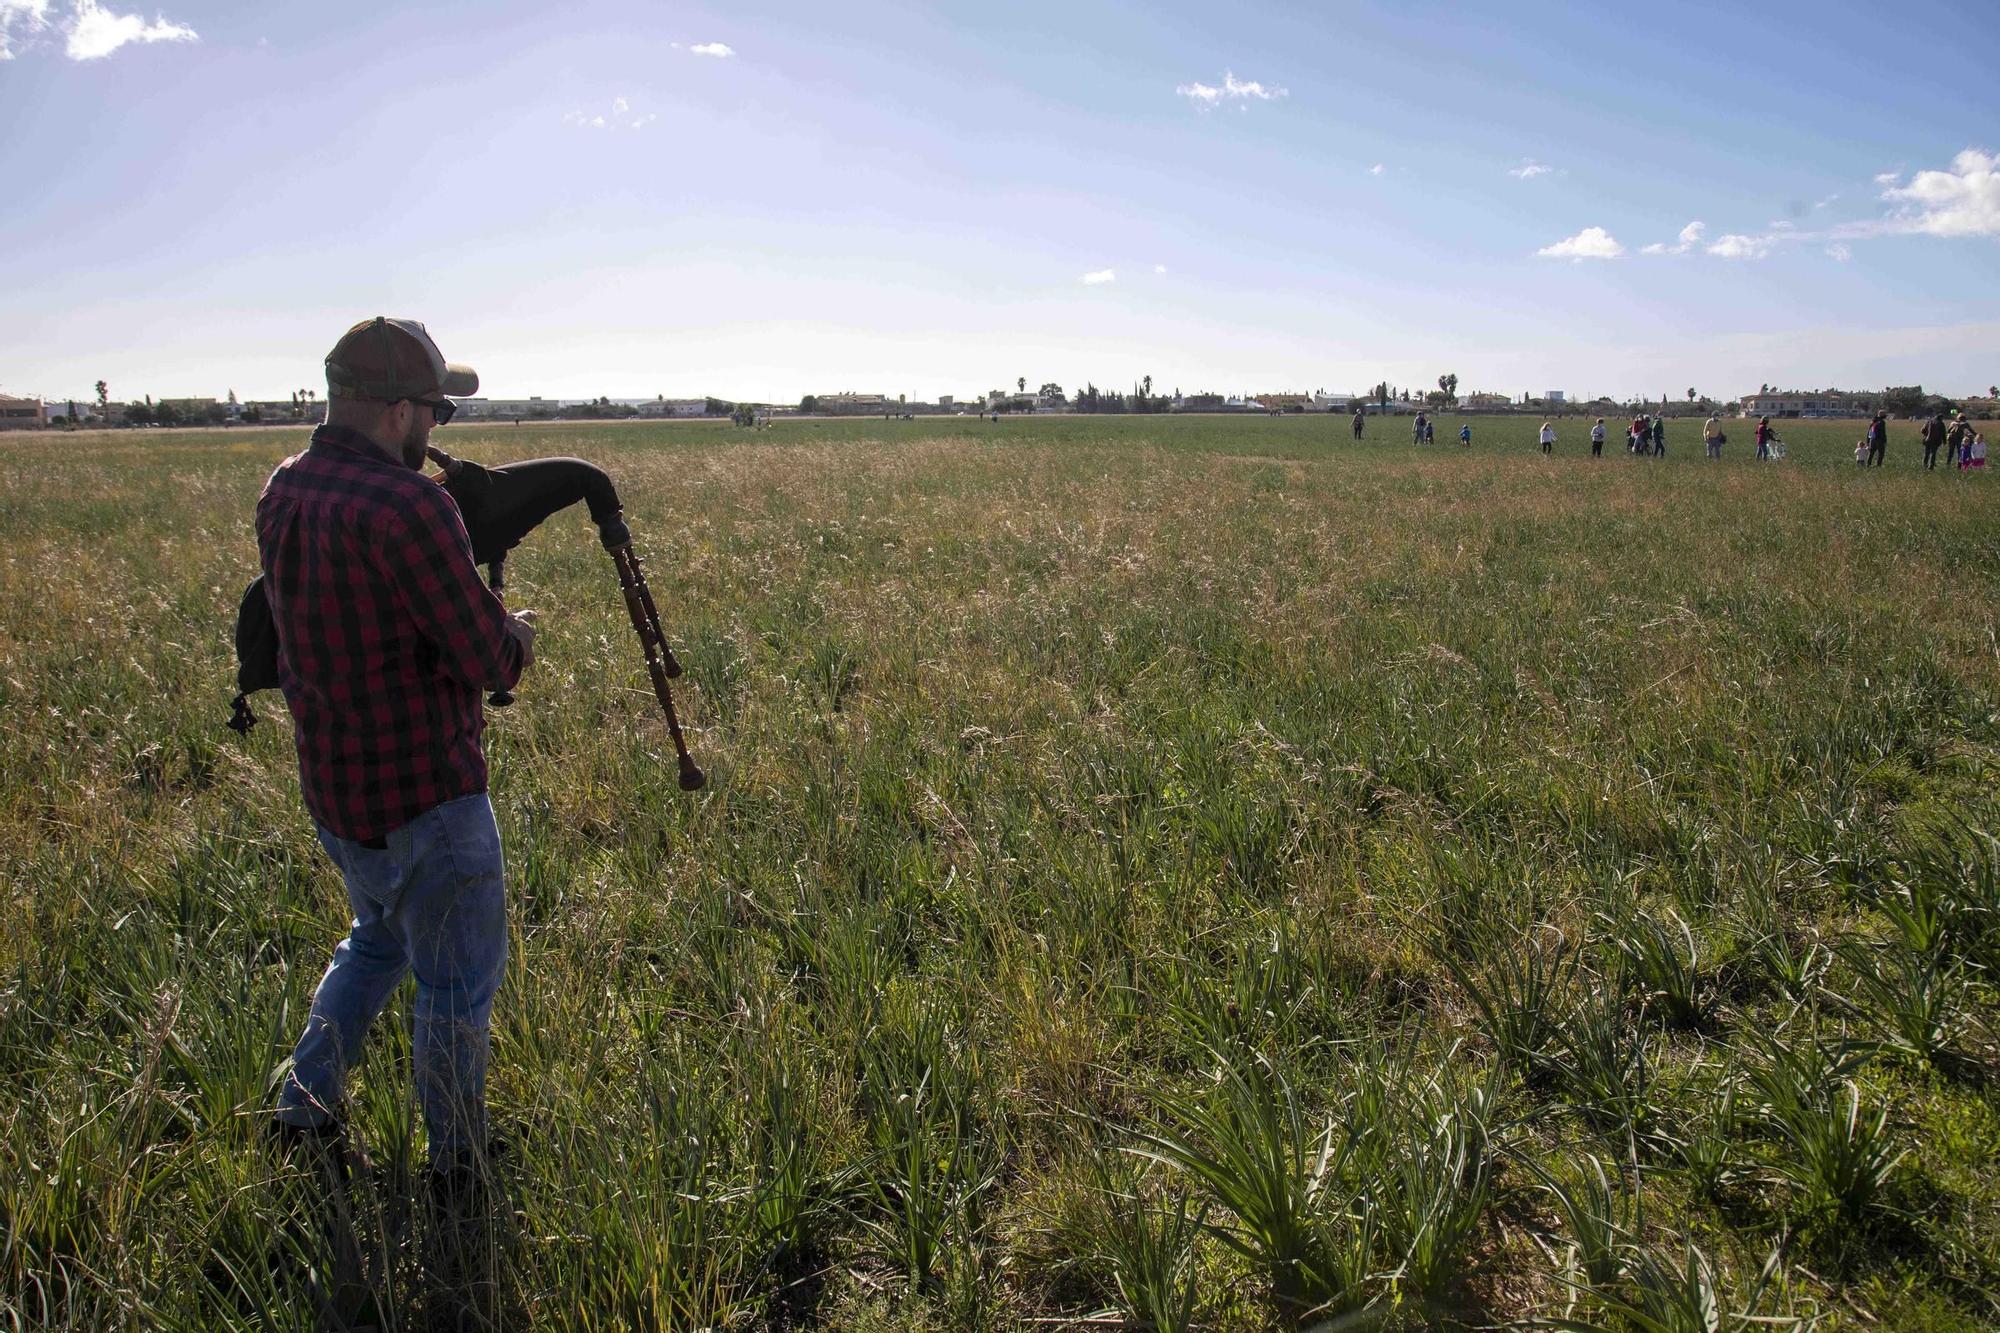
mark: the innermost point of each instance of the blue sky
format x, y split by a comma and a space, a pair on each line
765, 201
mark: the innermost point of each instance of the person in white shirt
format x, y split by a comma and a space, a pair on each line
1597, 439
1548, 437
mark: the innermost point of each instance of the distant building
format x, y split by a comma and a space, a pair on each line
1285, 402
1554, 397
851, 404
269, 410
22, 413
1322, 401
508, 408
1811, 403
1488, 402
946, 402
192, 409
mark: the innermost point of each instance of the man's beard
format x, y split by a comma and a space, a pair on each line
413, 447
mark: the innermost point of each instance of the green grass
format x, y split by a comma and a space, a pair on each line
1202, 871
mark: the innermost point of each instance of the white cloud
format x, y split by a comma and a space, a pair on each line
1822, 203
1888, 177
89, 31
1377, 169
716, 49
1159, 268
1738, 246
1233, 89
1253, 89
20, 18
620, 117
1590, 243
96, 32
1963, 200
1527, 171
1690, 236
1100, 277
1839, 251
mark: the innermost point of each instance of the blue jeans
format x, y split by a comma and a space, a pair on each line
432, 902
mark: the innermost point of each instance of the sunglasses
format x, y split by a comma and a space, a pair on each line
441, 411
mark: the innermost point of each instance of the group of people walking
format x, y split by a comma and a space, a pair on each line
1958, 439
1423, 430
1645, 437
1955, 437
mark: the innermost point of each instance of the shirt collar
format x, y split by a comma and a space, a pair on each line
348, 440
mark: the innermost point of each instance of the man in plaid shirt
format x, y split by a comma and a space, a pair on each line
386, 639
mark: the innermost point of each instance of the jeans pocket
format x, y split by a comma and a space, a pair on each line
374, 874
471, 839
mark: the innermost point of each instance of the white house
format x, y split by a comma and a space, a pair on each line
1824, 403
502, 408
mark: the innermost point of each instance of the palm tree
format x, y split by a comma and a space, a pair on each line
1021, 383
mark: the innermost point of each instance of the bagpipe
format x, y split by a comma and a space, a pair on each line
501, 506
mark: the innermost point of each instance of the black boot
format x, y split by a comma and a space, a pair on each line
470, 1224
322, 1166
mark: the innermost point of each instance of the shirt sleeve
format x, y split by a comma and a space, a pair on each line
428, 561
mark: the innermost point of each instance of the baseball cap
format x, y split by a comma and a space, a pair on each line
387, 359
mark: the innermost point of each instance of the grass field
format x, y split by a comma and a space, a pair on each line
1178, 872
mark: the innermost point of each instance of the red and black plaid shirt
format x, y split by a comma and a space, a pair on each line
386, 634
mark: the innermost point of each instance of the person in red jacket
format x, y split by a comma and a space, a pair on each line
387, 639
1765, 435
